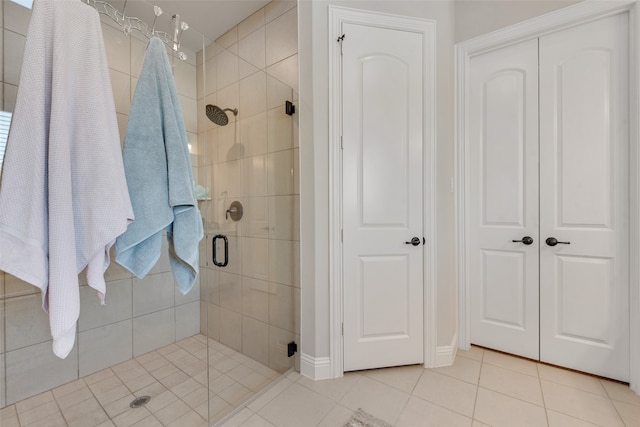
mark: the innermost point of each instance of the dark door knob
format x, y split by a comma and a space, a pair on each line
415, 241
527, 240
552, 241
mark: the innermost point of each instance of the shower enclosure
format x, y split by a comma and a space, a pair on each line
202, 355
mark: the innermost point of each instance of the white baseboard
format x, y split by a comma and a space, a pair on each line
316, 368
446, 354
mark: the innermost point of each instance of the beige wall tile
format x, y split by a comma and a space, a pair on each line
1, 51
245, 69
105, 346
286, 71
279, 130
189, 108
26, 323
255, 300
281, 173
153, 331
14, 287
255, 258
13, 54
255, 222
254, 176
231, 329
3, 400
185, 77
276, 8
187, 320
253, 134
117, 46
10, 95
284, 217
252, 48
230, 286
210, 82
253, 95
153, 293
281, 306
32, 370
138, 48
118, 305
228, 177
16, 17
192, 295
226, 69
278, 341
284, 262
282, 37
121, 86
251, 24
213, 322
228, 38
277, 93
255, 339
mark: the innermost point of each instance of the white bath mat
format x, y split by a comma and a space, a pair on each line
361, 418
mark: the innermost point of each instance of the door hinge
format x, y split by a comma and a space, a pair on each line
340, 40
292, 348
341, 143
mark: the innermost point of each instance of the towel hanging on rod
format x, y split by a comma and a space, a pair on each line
129, 23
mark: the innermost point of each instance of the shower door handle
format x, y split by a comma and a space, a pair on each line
226, 250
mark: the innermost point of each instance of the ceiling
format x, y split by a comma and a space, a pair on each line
210, 18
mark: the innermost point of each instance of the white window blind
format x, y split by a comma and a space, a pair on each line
5, 122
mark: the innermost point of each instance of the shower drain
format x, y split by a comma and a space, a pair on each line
139, 401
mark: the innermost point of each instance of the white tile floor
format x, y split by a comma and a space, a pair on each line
175, 377
482, 388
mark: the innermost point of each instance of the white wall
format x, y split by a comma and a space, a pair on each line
476, 17
314, 149
456, 21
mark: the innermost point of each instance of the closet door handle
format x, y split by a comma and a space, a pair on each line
527, 240
552, 241
226, 250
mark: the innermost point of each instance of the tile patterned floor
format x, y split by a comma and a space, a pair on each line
174, 376
482, 388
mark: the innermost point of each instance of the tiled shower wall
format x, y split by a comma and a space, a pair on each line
252, 305
140, 315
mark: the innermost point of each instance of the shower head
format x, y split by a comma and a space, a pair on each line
218, 116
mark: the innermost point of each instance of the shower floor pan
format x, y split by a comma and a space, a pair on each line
174, 378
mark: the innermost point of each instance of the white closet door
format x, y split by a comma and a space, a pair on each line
584, 190
503, 205
382, 197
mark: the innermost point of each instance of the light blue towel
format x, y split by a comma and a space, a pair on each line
158, 171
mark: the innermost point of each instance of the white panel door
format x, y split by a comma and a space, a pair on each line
503, 204
382, 197
584, 190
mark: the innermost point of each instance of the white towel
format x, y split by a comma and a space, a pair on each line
63, 194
